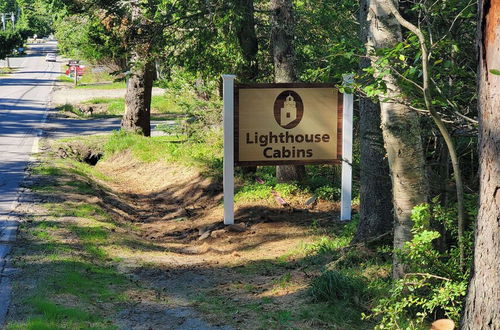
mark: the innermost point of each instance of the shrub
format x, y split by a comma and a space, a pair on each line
434, 285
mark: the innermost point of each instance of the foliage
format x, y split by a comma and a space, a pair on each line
326, 51
9, 40
38, 16
434, 286
83, 37
197, 99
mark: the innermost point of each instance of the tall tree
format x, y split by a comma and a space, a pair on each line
400, 127
140, 81
375, 216
247, 39
482, 307
141, 27
282, 48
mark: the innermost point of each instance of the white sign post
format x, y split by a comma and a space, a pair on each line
346, 193
228, 119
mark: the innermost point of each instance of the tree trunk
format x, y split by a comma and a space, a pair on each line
138, 98
137, 114
282, 35
375, 210
482, 306
401, 132
247, 38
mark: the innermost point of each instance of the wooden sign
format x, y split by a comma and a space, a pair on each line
280, 124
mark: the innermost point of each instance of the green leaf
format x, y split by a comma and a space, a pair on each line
495, 72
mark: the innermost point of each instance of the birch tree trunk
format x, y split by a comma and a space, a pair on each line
375, 210
282, 35
401, 131
482, 306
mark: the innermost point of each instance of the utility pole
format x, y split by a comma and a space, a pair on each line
3, 21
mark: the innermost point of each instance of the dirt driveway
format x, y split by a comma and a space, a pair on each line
61, 95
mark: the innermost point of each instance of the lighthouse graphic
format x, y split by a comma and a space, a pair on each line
289, 111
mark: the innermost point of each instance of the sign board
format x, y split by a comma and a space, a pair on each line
287, 124
274, 124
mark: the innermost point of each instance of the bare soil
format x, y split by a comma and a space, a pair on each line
181, 213
239, 276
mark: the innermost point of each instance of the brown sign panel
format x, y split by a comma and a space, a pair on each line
280, 124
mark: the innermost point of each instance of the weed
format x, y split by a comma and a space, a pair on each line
253, 192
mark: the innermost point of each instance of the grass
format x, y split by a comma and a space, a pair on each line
333, 286
72, 281
68, 280
65, 78
206, 156
159, 104
94, 80
53, 316
4, 71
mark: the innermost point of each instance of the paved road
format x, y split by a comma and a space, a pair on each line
24, 106
24, 97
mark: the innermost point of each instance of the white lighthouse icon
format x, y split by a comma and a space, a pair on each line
289, 111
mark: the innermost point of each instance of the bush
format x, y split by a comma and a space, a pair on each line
328, 193
9, 40
434, 286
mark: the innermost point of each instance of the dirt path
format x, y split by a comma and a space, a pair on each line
170, 238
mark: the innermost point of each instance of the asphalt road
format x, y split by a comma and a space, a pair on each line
24, 99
